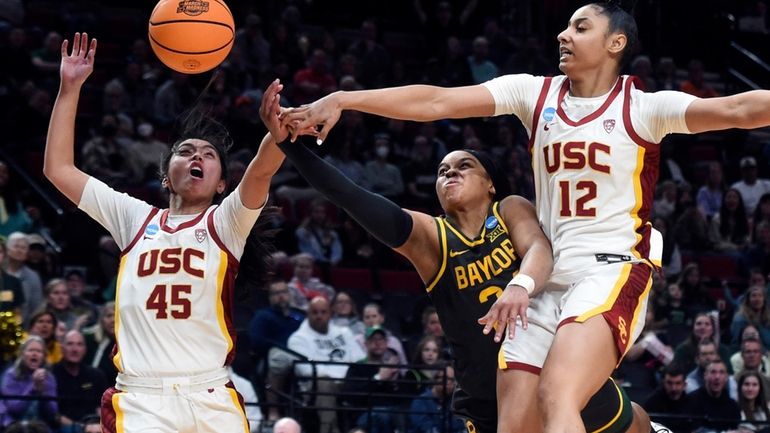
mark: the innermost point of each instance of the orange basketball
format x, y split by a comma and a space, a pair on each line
191, 36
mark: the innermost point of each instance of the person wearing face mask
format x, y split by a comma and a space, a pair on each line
383, 177
148, 149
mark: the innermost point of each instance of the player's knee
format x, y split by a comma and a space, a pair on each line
608, 411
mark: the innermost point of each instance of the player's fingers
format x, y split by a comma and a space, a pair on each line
64, 46
324, 132
91, 51
83, 45
76, 44
523, 315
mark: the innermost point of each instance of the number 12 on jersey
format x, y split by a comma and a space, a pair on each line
180, 305
583, 192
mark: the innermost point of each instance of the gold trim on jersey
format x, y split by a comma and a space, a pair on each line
221, 273
501, 363
638, 311
121, 269
639, 199
443, 246
241, 409
119, 416
625, 274
617, 415
496, 212
464, 239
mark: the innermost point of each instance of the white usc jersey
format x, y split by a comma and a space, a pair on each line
174, 286
594, 173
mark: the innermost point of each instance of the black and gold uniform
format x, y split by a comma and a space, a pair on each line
472, 274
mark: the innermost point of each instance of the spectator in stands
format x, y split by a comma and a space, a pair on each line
269, 332
664, 204
373, 315
254, 48
752, 400
641, 67
709, 197
171, 98
751, 358
31, 427
314, 81
250, 400
342, 157
420, 176
761, 214
345, 314
80, 385
707, 353
287, 425
110, 157
383, 177
427, 412
372, 387
671, 310
695, 291
751, 187
148, 151
729, 229
319, 340
695, 83
374, 59
482, 69
38, 257
316, 236
758, 254
650, 352
46, 59
57, 301
303, 286
44, 325
17, 247
29, 376
529, 59
712, 401
422, 373
430, 326
704, 328
92, 424
690, 225
670, 397
753, 310
13, 217
76, 286
100, 340
11, 291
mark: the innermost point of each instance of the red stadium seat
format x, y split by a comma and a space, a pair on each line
352, 279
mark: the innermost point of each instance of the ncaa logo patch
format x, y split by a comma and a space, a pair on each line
491, 222
201, 235
151, 231
549, 113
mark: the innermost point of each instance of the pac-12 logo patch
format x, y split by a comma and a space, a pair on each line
150, 231
201, 234
609, 125
491, 222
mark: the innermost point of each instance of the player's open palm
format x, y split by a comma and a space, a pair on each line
77, 65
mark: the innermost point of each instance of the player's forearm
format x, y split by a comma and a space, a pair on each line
59, 158
256, 180
419, 103
538, 263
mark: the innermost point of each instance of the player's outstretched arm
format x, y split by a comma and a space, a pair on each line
59, 160
745, 110
419, 103
256, 180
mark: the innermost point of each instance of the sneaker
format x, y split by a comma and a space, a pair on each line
658, 428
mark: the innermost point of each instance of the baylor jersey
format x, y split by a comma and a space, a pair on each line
471, 276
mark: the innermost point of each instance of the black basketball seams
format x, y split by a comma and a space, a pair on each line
217, 23
190, 52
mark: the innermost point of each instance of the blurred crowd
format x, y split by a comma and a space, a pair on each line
704, 349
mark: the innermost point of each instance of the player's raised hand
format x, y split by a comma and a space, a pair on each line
511, 304
77, 65
269, 111
324, 112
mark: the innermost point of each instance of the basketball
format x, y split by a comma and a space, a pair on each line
191, 36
